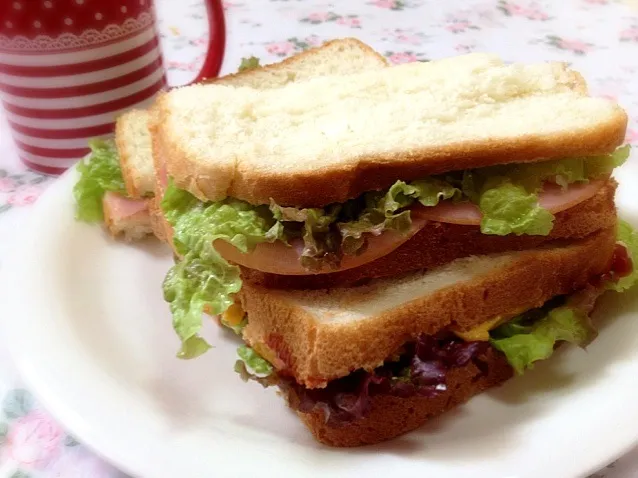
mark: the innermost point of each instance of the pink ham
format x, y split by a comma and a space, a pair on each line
128, 217
277, 258
121, 208
553, 198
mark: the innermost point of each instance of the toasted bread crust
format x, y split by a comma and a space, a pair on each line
292, 60
439, 243
132, 179
393, 416
315, 352
163, 230
125, 161
156, 219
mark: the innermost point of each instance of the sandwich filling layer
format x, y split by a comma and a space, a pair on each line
289, 240
421, 367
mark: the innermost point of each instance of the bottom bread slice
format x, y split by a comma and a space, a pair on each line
318, 336
391, 416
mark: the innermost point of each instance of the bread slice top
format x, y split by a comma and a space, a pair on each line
336, 57
322, 335
330, 139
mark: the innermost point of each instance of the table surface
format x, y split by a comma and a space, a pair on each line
598, 37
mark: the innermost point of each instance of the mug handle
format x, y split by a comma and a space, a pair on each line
216, 41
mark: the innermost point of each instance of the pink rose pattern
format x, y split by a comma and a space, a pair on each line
20, 189
575, 46
630, 34
32, 443
292, 45
457, 24
404, 31
34, 440
397, 58
316, 18
531, 10
389, 4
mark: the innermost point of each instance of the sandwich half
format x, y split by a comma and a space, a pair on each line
390, 243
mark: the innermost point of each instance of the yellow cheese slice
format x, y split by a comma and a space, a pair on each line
480, 333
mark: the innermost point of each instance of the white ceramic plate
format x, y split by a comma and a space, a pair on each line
92, 336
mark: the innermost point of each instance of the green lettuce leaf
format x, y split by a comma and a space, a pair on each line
604, 165
248, 63
382, 211
238, 329
254, 361
562, 171
430, 191
321, 243
524, 344
99, 173
629, 238
340, 229
509, 209
203, 281
507, 195
246, 375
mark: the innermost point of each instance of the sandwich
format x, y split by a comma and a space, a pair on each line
389, 243
118, 178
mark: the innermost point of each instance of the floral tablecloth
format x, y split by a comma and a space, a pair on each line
599, 37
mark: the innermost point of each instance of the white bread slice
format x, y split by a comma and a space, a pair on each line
133, 142
337, 57
322, 335
331, 138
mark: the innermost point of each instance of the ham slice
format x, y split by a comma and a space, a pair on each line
126, 217
121, 208
278, 258
553, 198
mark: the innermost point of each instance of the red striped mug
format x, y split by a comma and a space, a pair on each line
68, 68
